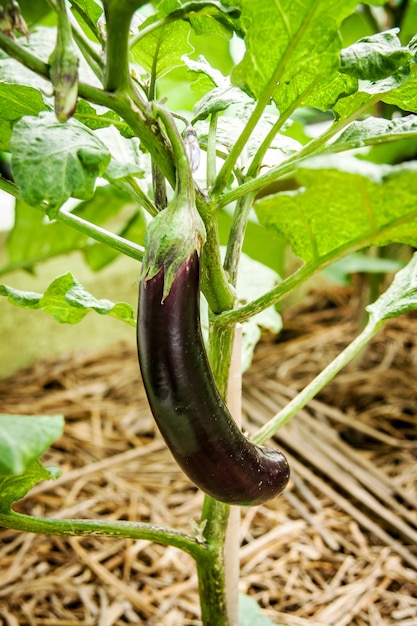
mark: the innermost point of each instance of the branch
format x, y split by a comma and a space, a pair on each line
104, 528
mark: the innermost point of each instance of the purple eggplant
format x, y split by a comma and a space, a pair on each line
185, 402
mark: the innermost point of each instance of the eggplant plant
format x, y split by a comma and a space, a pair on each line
232, 128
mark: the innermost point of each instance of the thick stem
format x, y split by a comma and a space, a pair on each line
118, 17
210, 566
216, 587
232, 541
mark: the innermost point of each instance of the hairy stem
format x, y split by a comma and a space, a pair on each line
103, 528
210, 569
101, 235
236, 236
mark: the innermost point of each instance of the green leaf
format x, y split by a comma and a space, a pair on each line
5, 135
15, 487
376, 57
162, 49
24, 438
376, 130
99, 117
250, 613
67, 301
89, 11
294, 45
67, 158
400, 297
125, 155
18, 100
345, 207
404, 95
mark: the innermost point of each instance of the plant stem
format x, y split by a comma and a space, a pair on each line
211, 151
101, 235
287, 168
232, 539
103, 528
236, 236
301, 399
210, 566
118, 18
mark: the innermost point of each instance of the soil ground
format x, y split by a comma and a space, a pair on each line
339, 548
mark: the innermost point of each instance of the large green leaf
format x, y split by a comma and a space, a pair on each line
19, 100
296, 45
24, 438
67, 301
67, 158
345, 207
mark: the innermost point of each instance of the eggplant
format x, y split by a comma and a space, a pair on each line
185, 402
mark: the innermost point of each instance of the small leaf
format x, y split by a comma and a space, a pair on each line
98, 117
376, 57
162, 49
18, 100
68, 158
375, 130
250, 613
15, 487
68, 302
400, 297
24, 438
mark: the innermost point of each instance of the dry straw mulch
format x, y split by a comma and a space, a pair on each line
339, 548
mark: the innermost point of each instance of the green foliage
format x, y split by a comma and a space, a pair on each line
270, 178
24, 438
14, 487
67, 301
400, 297
68, 158
342, 208
375, 58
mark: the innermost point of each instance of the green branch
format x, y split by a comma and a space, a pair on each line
101, 235
316, 385
104, 528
